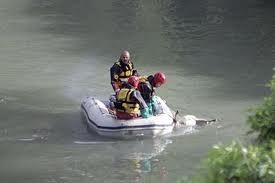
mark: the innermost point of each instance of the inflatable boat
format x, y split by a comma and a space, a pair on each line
98, 118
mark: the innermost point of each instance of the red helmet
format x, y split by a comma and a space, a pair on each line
134, 81
159, 77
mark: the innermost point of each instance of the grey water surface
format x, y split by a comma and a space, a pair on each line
217, 55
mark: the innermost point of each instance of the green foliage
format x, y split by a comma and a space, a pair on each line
235, 163
262, 119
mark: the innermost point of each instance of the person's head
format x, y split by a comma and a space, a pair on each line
125, 57
159, 79
134, 81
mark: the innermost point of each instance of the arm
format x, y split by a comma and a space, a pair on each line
145, 111
114, 72
136, 94
146, 91
135, 72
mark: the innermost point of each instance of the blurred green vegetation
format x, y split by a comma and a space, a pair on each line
236, 162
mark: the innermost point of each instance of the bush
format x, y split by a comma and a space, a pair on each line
262, 119
235, 163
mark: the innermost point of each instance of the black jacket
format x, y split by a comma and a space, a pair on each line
147, 89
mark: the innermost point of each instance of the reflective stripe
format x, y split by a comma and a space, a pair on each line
127, 71
124, 79
116, 76
143, 78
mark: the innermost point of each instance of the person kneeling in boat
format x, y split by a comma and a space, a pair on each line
147, 87
130, 103
121, 71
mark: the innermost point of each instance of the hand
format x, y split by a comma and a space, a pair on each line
117, 90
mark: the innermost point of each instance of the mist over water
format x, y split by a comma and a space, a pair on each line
217, 56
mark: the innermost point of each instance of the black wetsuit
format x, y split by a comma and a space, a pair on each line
146, 89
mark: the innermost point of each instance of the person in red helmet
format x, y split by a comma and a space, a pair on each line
159, 79
129, 102
147, 87
148, 84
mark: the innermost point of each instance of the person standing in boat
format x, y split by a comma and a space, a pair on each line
122, 70
130, 103
147, 87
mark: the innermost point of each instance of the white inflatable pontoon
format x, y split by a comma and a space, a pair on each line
100, 120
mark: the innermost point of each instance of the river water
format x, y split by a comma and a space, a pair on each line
217, 56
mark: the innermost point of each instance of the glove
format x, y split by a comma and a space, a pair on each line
145, 113
155, 106
150, 108
154, 101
